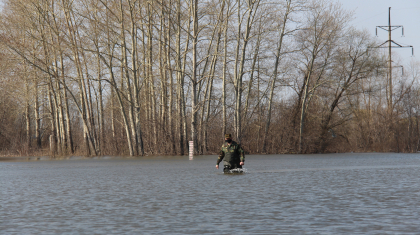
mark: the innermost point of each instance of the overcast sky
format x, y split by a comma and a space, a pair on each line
371, 13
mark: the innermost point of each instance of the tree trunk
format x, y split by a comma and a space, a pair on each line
27, 117
239, 77
37, 118
273, 83
194, 108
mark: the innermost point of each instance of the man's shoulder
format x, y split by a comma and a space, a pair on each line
238, 146
235, 143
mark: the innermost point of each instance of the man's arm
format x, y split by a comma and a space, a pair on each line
241, 155
220, 158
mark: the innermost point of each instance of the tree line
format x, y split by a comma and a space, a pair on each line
132, 77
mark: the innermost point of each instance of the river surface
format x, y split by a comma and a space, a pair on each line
291, 194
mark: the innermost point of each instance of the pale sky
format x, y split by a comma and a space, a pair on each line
371, 13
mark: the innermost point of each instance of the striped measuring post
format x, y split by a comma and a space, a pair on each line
191, 149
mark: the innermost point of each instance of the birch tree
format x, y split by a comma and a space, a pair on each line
325, 22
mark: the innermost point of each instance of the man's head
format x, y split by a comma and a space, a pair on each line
228, 138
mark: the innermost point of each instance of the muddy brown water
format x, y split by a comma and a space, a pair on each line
291, 194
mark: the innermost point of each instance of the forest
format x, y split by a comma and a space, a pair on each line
137, 78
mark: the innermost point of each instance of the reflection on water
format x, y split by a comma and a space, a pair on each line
295, 194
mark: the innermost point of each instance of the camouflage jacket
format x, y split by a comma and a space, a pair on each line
231, 153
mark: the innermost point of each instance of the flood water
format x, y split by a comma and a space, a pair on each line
293, 194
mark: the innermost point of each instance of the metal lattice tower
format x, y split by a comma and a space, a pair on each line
391, 44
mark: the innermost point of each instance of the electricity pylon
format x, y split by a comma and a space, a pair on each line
391, 44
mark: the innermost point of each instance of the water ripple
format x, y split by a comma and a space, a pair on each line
299, 194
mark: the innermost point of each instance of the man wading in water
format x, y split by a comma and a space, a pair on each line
232, 154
